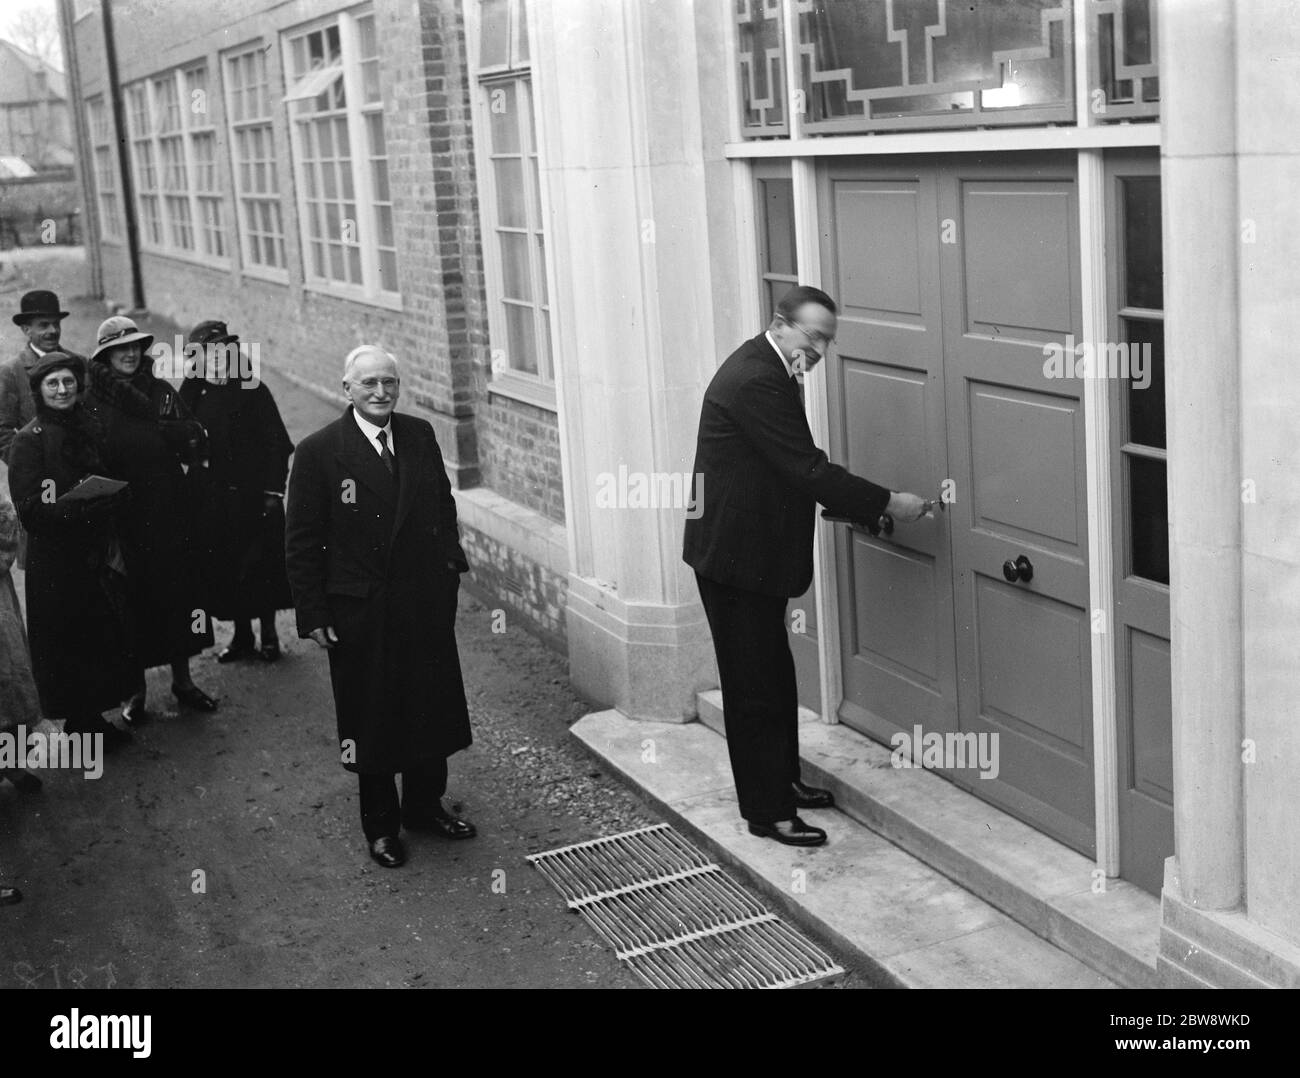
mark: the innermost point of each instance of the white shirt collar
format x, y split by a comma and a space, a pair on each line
372, 432
784, 362
39, 353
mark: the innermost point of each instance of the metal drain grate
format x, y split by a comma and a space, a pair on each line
676, 918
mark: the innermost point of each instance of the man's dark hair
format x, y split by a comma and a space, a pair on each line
798, 296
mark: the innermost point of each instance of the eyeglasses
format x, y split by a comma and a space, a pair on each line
371, 384
819, 340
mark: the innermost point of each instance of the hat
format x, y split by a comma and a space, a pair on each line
56, 361
118, 330
38, 304
211, 332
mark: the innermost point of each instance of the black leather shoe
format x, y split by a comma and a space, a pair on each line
441, 822
810, 797
791, 832
388, 851
235, 652
10, 895
269, 653
194, 698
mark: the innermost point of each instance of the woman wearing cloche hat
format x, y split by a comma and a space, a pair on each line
148, 437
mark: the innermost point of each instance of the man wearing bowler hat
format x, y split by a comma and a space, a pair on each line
40, 319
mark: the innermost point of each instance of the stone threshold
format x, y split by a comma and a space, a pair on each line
1040, 883
895, 917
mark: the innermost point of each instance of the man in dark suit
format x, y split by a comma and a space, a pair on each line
40, 319
374, 560
750, 543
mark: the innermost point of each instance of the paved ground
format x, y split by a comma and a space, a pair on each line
253, 798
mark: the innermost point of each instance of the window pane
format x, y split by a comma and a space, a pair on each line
1145, 388
511, 212
494, 22
544, 347
521, 33
541, 266
388, 271
778, 203
1017, 50
760, 41
384, 218
521, 331
503, 112
1143, 260
516, 278
1148, 519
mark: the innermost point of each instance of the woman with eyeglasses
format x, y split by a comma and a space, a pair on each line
77, 619
241, 513
149, 439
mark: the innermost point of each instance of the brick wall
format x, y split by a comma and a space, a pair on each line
526, 591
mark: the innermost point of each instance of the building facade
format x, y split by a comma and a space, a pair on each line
566, 213
306, 171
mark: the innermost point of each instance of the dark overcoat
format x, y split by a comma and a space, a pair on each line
241, 542
758, 479
379, 559
146, 433
77, 619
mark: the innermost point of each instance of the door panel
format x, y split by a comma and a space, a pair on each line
887, 423
1016, 449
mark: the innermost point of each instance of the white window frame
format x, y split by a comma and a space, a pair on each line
244, 199
369, 291
192, 196
101, 139
135, 137
535, 389
198, 196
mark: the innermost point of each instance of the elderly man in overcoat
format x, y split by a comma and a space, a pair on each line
374, 560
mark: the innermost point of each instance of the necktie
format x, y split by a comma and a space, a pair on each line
386, 454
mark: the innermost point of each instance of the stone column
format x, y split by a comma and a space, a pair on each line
1268, 149
1202, 244
641, 224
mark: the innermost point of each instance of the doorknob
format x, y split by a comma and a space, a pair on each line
1020, 569
886, 524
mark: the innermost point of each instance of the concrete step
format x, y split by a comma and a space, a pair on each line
1048, 888
903, 923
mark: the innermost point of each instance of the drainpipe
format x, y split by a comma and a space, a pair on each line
81, 139
124, 160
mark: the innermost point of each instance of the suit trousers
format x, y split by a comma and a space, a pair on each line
760, 697
382, 813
